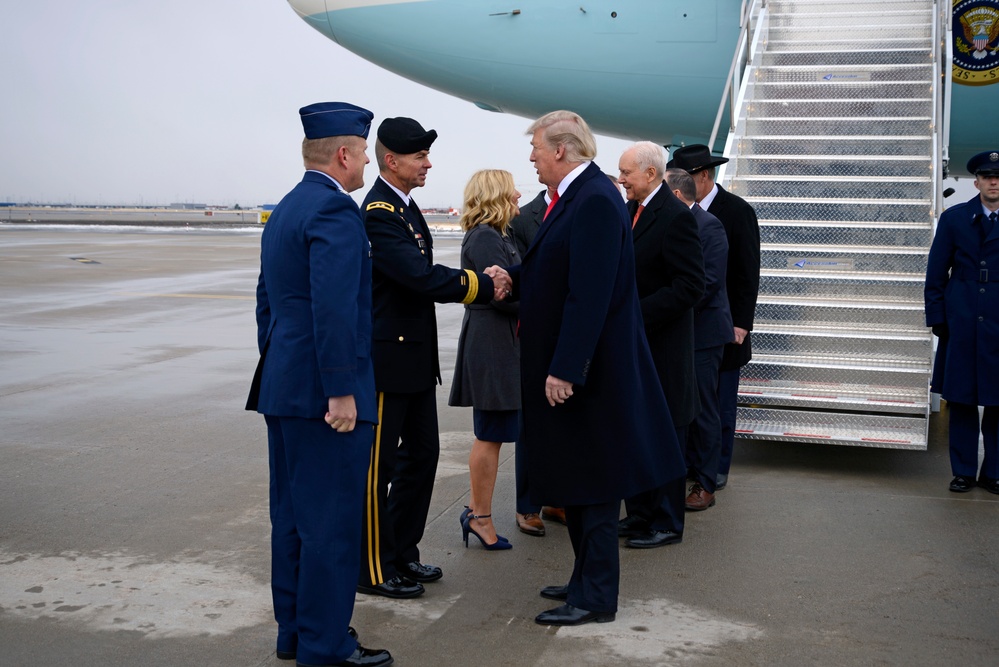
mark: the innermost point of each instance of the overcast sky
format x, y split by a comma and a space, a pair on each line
116, 101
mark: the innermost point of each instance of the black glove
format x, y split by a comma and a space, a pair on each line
940, 330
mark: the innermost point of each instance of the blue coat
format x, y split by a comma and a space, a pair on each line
580, 321
962, 290
712, 318
314, 305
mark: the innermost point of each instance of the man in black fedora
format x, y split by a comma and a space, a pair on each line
743, 284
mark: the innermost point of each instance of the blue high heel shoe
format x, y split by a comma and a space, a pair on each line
467, 511
501, 542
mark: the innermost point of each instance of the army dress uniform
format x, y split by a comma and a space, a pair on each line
406, 284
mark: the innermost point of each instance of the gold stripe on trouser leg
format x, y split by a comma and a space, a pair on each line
374, 542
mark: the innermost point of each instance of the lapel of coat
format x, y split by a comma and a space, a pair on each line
561, 205
650, 213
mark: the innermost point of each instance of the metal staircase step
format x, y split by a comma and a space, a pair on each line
822, 29
841, 259
811, 7
841, 108
837, 126
825, 166
861, 57
887, 211
840, 90
831, 428
827, 346
870, 234
777, 310
845, 290
806, 146
846, 43
844, 73
910, 189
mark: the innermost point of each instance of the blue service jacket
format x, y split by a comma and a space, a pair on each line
962, 290
712, 319
406, 284
580, 320
314, 305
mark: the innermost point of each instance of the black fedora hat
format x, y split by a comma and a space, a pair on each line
694, 158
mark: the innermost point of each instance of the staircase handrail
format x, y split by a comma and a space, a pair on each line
739, 59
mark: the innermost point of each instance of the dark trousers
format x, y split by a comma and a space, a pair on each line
524, 505
662, 508
728, 401
596, 572
405, 453
964, 431
316, 495
704, 442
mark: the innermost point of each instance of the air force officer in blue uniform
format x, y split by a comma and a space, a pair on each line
595, 416
315, 387
962, 306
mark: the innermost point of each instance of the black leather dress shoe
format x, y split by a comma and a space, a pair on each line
654, 538
630, 526
721, 481
417, 571
989, 484
555, 592
396, 587
962, 484
569, 615
290, 655
361, 657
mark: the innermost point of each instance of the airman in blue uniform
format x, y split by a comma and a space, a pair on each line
962, 307
315, 387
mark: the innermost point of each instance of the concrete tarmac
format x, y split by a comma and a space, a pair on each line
134, 521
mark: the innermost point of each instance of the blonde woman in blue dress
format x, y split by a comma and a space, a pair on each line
487, 369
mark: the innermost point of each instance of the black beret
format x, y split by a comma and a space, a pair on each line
405, 136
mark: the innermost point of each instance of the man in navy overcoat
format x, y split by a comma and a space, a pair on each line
315, 387
595, 417
962, 306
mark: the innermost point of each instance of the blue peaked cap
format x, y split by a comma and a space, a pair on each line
335, 119
984, 163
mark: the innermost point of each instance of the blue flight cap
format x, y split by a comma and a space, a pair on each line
335, 119
986, 163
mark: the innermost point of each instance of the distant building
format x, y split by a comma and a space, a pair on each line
189, 207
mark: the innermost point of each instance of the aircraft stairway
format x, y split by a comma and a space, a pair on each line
835, 146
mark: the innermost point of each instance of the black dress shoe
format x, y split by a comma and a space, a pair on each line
555, 592
361, 657
630, 526
962, 484
989, 484
721, 481
396, 587
654, 538
417, 571
569, 615
290, 655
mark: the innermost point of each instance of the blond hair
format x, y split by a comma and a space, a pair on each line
568, 129
489, 200
320, 152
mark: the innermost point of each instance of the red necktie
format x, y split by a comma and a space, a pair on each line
634, 221
550, 206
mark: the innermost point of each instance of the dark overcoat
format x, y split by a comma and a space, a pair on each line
962, 290
712, 319
487, 367
580, 321
406, 284
743, 279
524, 227
314, 306
670, 276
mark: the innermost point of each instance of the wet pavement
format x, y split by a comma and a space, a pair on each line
134, 524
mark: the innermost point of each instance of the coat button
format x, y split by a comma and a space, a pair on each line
984, 263
401, 338
981, 319
981, 291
